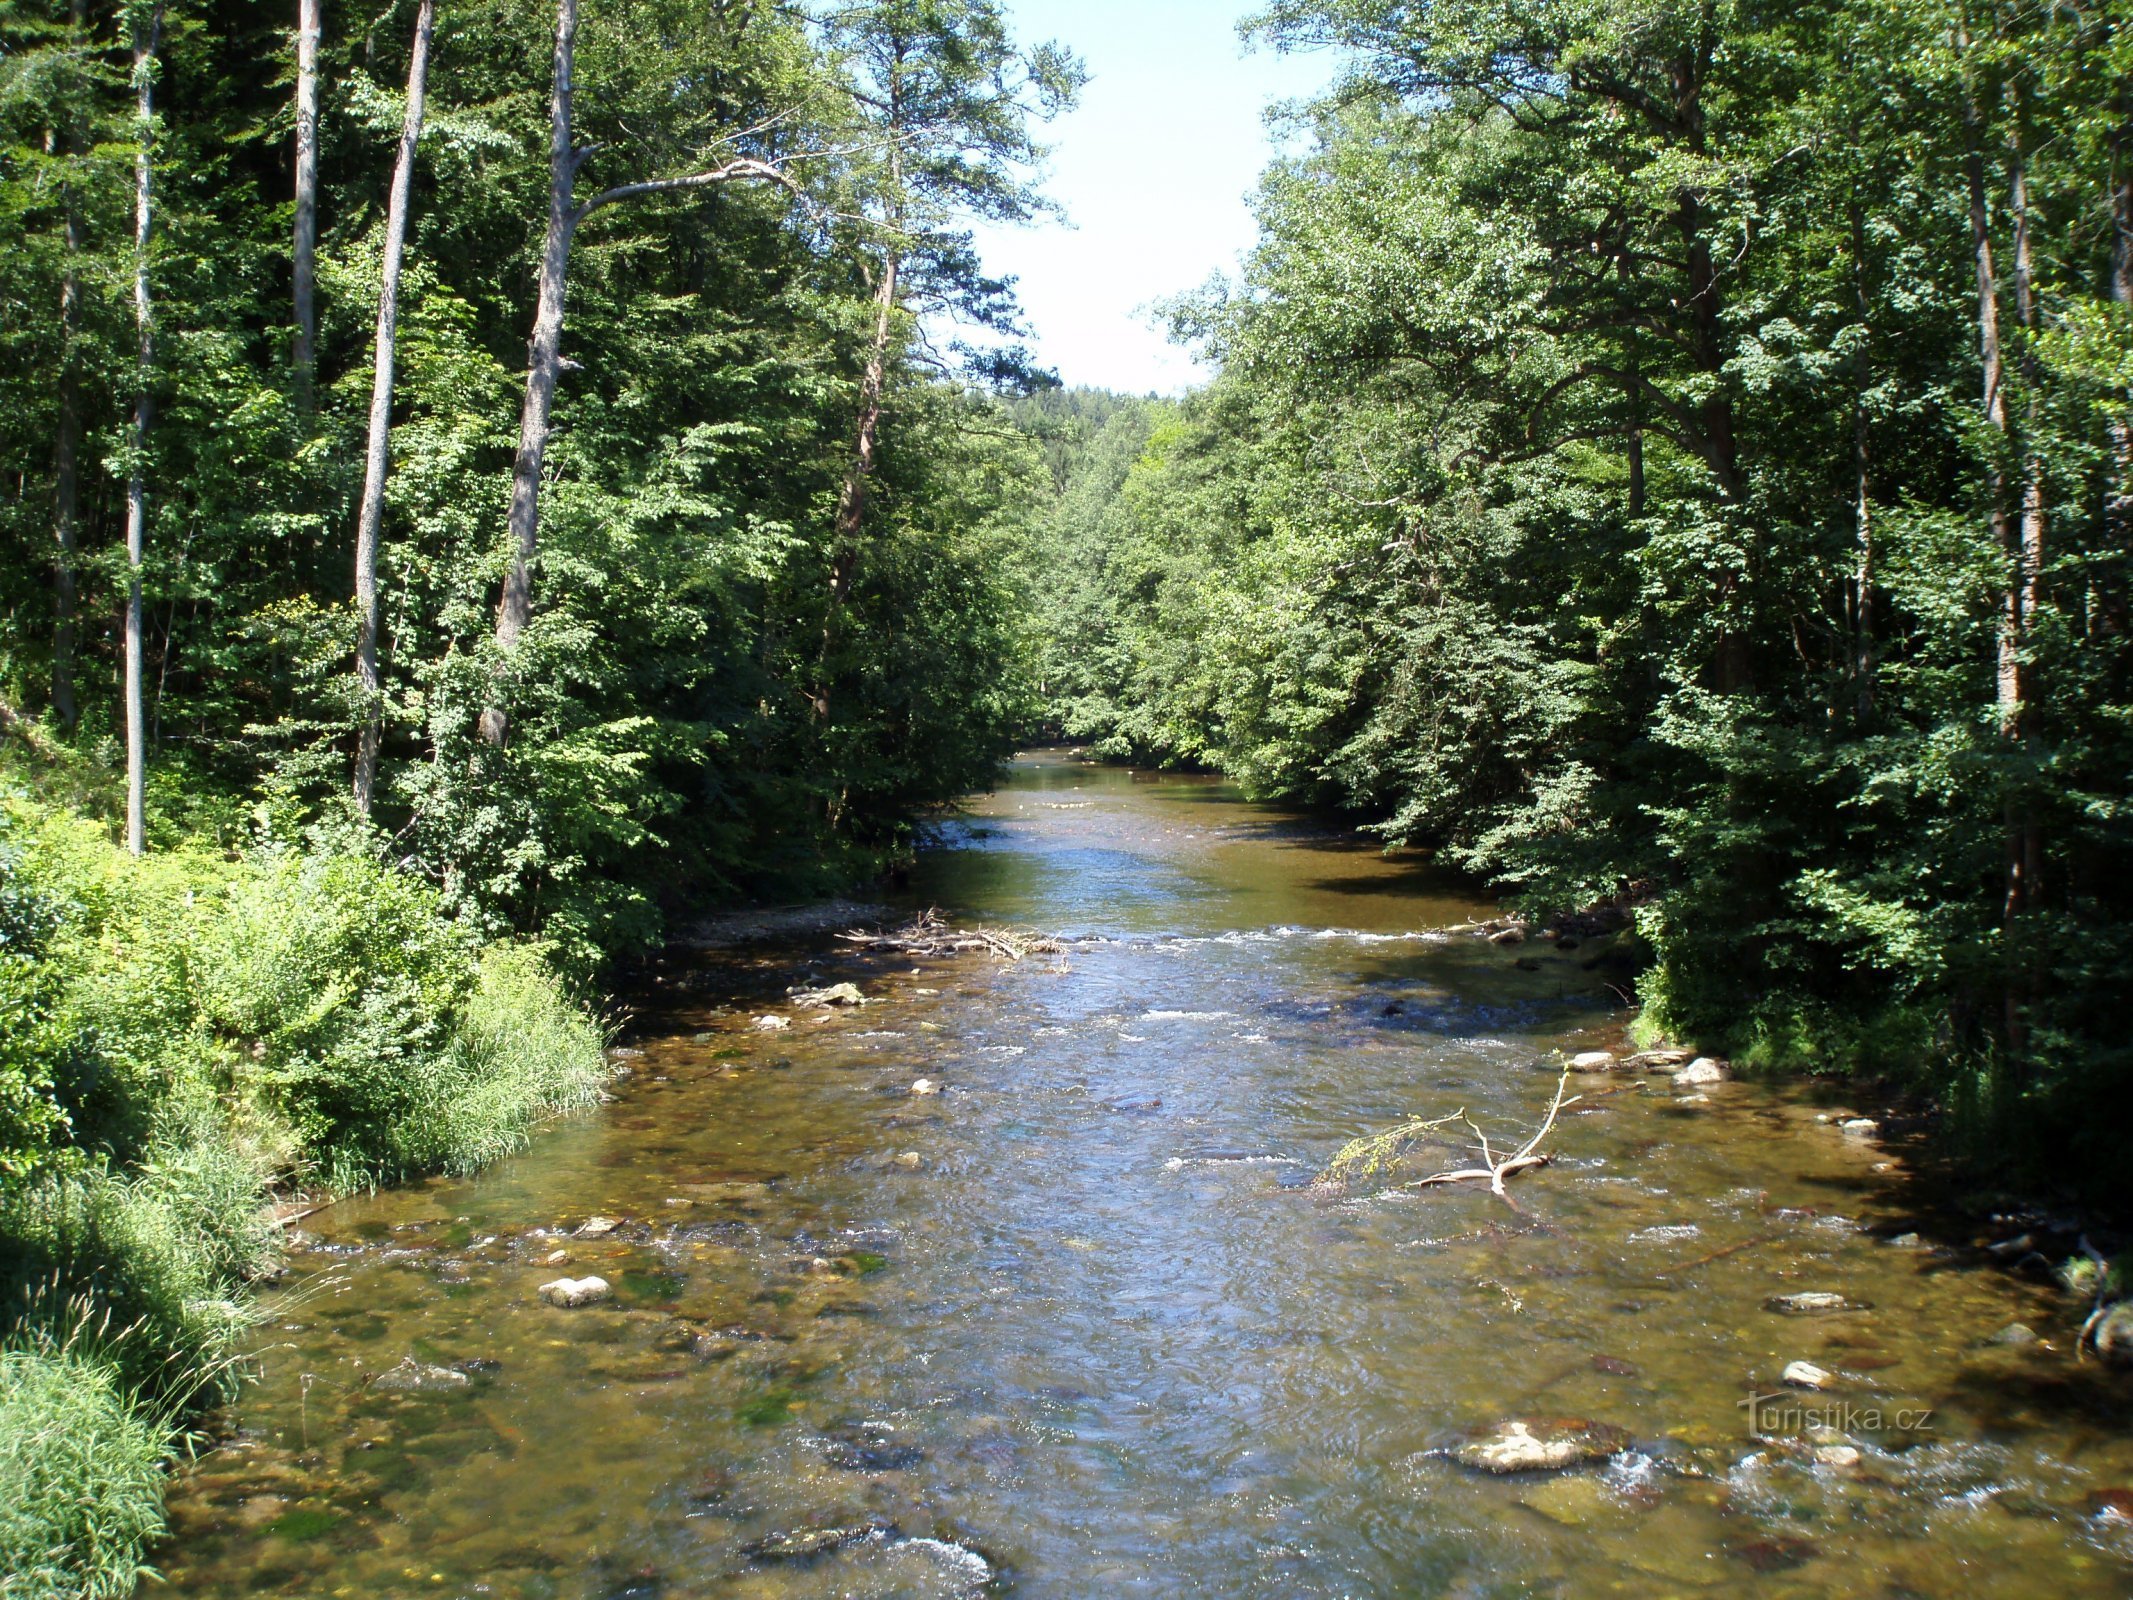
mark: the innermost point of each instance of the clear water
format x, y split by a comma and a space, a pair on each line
1042, 1335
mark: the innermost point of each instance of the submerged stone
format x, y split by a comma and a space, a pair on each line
1537, 1444
804, 1544
413, 1377
1811, 1303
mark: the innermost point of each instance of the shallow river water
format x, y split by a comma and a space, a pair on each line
1077, 1326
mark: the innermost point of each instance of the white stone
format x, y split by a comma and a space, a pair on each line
771, 1024
1806, 1375
925, 1086
572, 1292
1593, 1061
1704, 1069
597, 1227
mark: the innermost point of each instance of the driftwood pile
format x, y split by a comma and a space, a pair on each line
932, 935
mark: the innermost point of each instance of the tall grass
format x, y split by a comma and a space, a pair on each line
81, 1475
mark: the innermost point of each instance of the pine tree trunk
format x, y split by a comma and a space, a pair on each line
377, 457
145, 43
304, 355
544, 365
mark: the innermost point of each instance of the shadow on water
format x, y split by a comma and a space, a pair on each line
1076, 1324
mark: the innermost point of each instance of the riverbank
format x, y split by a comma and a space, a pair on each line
183, 1035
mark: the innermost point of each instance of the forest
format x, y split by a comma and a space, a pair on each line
482, 482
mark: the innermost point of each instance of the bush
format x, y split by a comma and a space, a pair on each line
177, 1034
81, 1476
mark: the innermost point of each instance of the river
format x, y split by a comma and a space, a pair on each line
1077, 1325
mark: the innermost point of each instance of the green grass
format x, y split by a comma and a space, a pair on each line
81, 1476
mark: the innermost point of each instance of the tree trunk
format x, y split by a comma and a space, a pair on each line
1863, 647
145, 41
2008, 651
304, 356
66, 434
377, 457
545, 364
852, 497
2024, 844
2118, 510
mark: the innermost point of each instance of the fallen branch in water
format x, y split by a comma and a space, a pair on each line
1377, 1154
931, 935
1496, 1171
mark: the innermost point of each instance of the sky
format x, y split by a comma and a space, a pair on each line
1155, 168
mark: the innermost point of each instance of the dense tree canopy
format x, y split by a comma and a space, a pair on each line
1676, 453
670, 722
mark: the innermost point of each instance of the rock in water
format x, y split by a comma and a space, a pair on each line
770, 1023
837, 994
1860, 1128
1537, 1444
2113, 1335
412, 1377
1593, 1061
1812, 1303
803, 1544
1806, 1375
597, 1227
1704, 1069
925, 1086
1659, 1060
572, 1292
2015, 1336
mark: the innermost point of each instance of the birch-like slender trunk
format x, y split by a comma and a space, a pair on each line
146, 37
377, 458
66, 432
544, 365
1864, 654
304, 357
2118, 507
544, 357
2024, 842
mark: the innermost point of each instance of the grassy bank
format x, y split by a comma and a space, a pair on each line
179, 1036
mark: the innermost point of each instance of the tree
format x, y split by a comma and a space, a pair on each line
147, 24
545, 350
304, 255
376, 458
949, 105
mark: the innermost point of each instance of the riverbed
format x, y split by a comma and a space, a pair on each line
1078, 1323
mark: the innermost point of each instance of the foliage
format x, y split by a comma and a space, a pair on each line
1598, 489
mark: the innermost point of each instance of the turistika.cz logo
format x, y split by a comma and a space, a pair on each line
1788, 1416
